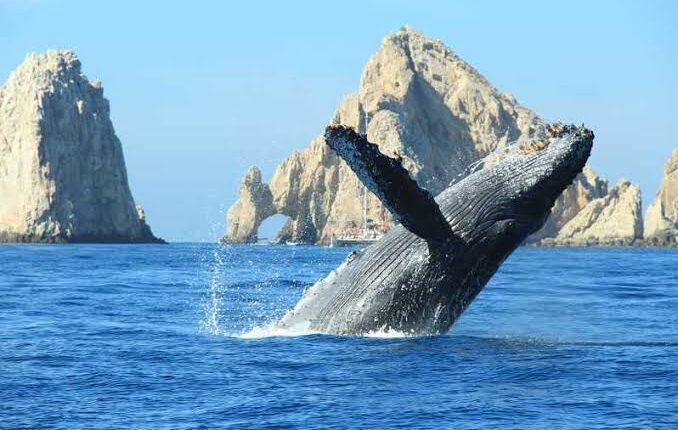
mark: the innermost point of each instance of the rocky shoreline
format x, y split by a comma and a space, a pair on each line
16, 238
654, 242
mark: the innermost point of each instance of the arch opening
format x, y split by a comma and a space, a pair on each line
269, 228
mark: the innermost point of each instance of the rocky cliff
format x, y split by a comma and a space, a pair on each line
253, 206
614, 219
661, 218
587, 187
62, 172
418, 100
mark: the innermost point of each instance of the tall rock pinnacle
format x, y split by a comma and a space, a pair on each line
661, 219
62, 171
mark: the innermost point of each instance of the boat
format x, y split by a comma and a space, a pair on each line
354, 241
369, 234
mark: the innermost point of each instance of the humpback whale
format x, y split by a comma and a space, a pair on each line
420, 276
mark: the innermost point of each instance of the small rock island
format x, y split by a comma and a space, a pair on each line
62, 171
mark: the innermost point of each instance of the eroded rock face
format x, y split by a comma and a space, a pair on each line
254, 204
661, 218
614, 219
587, 187
62, 171
417, 100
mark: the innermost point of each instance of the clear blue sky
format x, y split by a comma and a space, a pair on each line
201, 90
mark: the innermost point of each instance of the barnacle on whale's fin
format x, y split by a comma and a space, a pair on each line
412, 206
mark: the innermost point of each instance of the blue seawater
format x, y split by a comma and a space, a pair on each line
150, 337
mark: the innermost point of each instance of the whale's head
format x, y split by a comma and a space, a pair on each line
492, 211
512, 199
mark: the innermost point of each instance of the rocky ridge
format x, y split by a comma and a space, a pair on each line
417, 100
62, 171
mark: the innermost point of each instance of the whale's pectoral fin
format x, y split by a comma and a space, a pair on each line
411, 205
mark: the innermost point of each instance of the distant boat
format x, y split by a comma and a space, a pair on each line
354, 241
290, 243
369, 233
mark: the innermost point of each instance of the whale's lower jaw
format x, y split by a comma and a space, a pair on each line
416, 280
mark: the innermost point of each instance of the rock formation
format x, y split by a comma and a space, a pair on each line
586, 188
417, 100
254, 204
614, 219
62, 172
661, 218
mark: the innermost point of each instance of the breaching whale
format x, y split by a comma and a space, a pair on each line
420, 276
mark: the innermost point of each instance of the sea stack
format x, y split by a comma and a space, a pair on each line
62, 170
661, 219
421, 103
254, 205
612, 220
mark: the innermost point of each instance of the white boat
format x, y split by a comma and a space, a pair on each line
354, 241
369, 233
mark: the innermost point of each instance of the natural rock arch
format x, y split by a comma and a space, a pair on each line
271, 227
254, 205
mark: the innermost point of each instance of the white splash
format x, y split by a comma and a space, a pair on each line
273, 330
389, 334
212, 306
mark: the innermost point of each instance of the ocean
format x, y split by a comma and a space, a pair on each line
176, 337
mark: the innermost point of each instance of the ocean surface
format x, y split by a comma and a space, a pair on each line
175, 337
